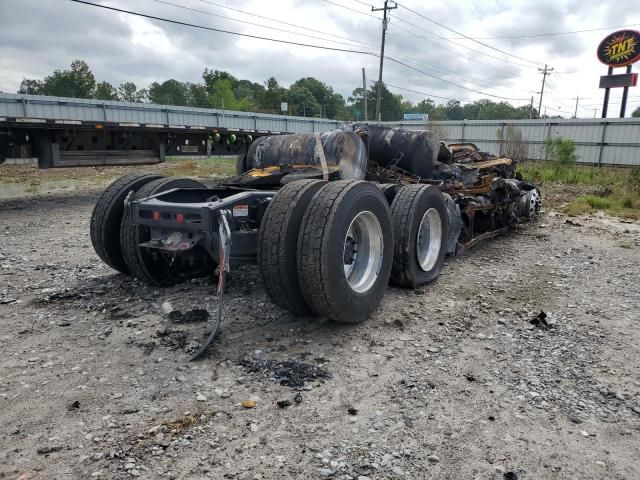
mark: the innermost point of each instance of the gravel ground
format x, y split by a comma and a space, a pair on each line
450, 381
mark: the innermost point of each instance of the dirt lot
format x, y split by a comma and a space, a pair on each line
451, 381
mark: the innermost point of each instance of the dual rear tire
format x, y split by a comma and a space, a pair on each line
117, 241
330, 253
330, 249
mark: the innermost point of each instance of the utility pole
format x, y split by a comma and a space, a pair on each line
546, 71
364, 95
595, 112
385, 21
575, 115
531, 108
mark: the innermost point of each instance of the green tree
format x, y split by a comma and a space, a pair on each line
274, 94
128, 92
253, 92
333, 104
302, 102
31, 87
636, 112
170, 92
454, 110
210, 78
77, 82
105, 91
223, 97
390, 106
197, 95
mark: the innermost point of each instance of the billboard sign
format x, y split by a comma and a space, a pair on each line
421, 117
618, 81
620, 48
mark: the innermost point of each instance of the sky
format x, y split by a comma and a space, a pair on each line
38, 36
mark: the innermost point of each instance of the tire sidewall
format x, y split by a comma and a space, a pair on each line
360, 305
431, 197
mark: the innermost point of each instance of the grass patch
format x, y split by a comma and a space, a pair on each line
201, 167
610, 189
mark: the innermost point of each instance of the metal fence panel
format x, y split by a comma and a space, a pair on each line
605, 141
598, 141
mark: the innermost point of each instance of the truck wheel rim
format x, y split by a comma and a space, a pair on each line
362, 252
534, 203
429, 239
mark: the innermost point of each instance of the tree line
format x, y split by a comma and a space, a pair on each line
307, 96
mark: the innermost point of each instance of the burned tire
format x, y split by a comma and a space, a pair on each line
420, 226
277, 244
345, 250
107, 217
153, 266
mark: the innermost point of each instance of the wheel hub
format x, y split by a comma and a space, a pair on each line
429, 239
362, 252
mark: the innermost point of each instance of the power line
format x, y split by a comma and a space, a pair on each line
363, 3
437, 37
458, 53
349, 8
468, 37
453, 83
202, 27
280, 21
422, 63
551, 34
255, 24
288, 31
423, 93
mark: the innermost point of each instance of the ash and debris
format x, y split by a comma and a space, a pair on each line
450, 380
294, 372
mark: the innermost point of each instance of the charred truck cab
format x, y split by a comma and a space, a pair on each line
330, 219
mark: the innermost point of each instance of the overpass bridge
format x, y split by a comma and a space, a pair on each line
65, 132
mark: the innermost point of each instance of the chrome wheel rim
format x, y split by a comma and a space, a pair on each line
429, 239
362, 252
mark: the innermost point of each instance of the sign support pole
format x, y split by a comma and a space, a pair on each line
605, 105
625, 94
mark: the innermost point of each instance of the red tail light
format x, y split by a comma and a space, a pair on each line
179, 218
156, 216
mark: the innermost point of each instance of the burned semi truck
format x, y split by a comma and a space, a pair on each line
330, 219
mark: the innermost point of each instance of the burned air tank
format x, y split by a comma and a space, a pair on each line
337, 153
414, 151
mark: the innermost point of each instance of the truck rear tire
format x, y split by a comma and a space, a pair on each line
277, 244
107, 217
153, 266
420, 227
345, 250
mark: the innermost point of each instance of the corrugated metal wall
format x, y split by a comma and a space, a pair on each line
606, 142
60, 108
598, 141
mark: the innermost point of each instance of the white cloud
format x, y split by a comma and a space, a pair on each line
38, 36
